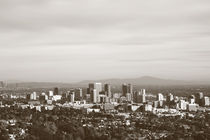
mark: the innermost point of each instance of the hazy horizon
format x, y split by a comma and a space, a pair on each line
105, 79
72, 41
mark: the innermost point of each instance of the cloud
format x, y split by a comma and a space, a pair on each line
122, 37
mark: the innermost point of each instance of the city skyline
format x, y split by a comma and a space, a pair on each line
71, 41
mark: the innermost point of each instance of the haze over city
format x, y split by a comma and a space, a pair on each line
69, 41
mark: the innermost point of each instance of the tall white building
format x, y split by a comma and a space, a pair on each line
50, 94
95, 96
183, 105
34, 95
200, 95
206, 101
160, 97
143, 97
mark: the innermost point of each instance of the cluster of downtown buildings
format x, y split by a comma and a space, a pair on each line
96, 94
128, 99
138, 99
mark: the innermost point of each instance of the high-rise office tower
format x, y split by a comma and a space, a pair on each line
78, 94
200, 95
169, 97
183, 105
130, 88
192, 99
43, 97
28, 96
98, 87
199, 98
124, 89
206, 101
34, 95
31, 96
102, 98
135, 95
65, 95
139, 97
127, 89
56, 91
107, 89
50, 93
72, 97
128, 96
94, 90
160, 97
91, 87
143, 95
94, 96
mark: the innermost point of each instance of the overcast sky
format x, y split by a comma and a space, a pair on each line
73, 40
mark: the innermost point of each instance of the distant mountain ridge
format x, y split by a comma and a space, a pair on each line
145, 81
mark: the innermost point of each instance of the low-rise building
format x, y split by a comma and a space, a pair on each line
193, 107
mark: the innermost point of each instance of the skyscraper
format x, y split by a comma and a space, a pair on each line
34, 96
206, 101
183, 105
107, 89
50, 93
160, 97
128, 96
200, 95
127, 89
78, 94
31, 96
56, 91
192, 99
72, 97
91, 87
140, 97
169, 97
94, 96
143, 94
130, 88
94, 90
124, 89
98, 87
198, 98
